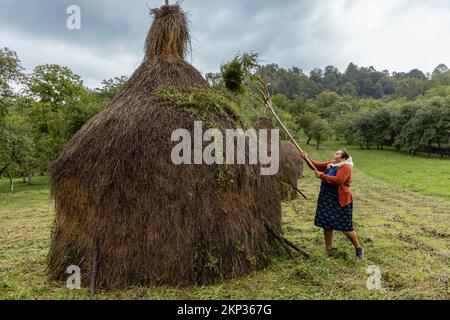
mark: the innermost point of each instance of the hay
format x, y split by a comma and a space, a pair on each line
291, 166
153, 222
291, 163
169, 33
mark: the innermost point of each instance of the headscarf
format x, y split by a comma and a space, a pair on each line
348, 161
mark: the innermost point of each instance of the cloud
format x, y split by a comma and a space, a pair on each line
388, 34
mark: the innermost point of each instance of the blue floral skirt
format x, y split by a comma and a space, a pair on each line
330, 215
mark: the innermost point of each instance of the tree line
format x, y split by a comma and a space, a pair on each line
360, 82
40, 111
409, 111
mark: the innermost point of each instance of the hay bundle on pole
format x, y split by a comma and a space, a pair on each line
125, 214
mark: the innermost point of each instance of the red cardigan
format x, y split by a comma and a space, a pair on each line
343, 179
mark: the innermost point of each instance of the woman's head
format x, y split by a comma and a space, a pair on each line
340, 155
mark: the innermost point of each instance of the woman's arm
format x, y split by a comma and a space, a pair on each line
341, 176
321, 166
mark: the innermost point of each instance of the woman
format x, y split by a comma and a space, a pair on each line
335, 204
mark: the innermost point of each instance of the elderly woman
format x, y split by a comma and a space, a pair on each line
335, 204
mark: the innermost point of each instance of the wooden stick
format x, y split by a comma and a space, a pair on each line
267, 100
301, 193
286, 248
293, 246
94, 268
296, 189
283, 240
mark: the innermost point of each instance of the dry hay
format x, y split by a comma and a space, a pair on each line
291, 163
154, 222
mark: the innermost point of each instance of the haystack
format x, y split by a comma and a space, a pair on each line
127, 215
291, 162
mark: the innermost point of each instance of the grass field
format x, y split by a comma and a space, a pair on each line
401, 212
429, 175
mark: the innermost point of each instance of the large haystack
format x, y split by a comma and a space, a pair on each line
153, 222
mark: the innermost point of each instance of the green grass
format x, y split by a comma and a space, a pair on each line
405, 232
429, 175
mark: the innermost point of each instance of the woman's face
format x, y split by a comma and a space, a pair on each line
337, 157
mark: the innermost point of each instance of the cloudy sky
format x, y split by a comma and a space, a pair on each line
388, 34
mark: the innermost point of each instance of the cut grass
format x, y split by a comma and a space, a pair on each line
406, 233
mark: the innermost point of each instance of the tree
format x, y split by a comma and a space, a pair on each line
442, 68
16, 150
382, 124
58, 105
111, 88
55, 85
11, 72
364, 130
433, 123
234, 72
215, 80
282, 102
299, 105
332, 78
325, 102
339, 109
352, 73
417, 74
349, 89
320, 130
399, 121
305, 122
441, 75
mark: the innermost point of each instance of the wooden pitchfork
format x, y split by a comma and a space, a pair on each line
266, 99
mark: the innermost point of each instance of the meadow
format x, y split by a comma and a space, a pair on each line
401, 212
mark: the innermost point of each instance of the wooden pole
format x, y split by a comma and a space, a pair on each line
267, 101
295, 189
285, 242
94, 268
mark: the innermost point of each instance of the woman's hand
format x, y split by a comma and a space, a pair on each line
318, 174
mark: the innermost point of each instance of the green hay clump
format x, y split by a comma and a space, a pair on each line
233, 76
206, 105
224, 176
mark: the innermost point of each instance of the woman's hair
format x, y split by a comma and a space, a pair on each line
345, 154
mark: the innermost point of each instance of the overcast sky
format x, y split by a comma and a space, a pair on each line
397, 35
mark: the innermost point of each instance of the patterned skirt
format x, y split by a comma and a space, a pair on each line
330, 215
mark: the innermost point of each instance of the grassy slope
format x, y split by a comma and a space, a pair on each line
405, 233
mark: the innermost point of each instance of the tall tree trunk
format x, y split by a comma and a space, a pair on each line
30, 179
11, 183
309, 140
318, 144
